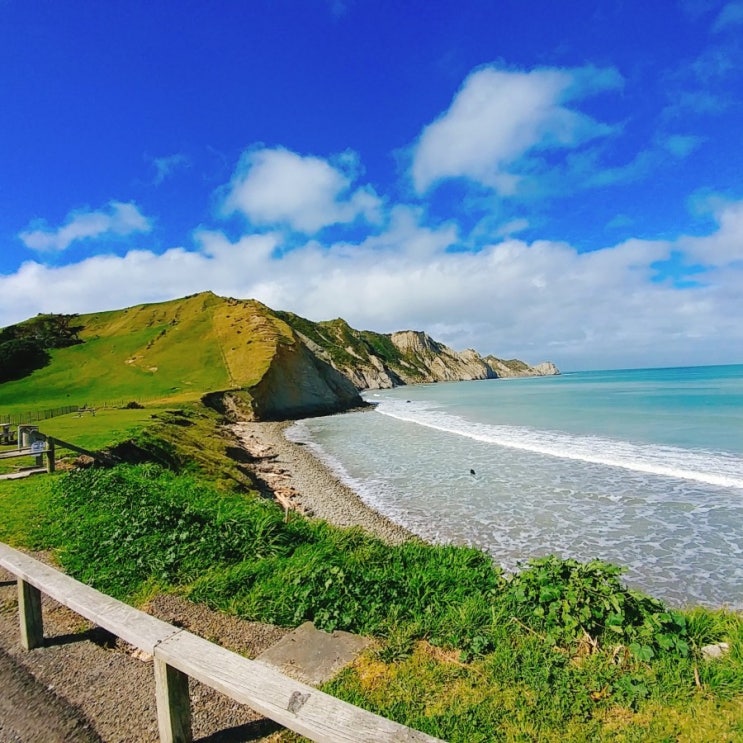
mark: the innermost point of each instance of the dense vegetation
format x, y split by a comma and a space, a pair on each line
25, 347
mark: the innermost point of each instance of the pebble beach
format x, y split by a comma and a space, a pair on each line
308, 486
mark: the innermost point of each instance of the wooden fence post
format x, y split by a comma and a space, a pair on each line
50, 461
173, 704
29, 613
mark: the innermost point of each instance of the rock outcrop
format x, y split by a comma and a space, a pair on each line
517, 368
381, 361
298, 384
427, 360
546, 369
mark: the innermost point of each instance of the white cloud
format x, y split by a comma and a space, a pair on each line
166, 166
724, 247
119, 219
730, 15
539, 300
498, 117
280, 187
111, 281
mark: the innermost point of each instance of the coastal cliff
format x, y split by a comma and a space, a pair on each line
238, 356
517, 368
381, 361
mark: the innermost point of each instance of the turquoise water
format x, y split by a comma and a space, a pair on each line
643, 468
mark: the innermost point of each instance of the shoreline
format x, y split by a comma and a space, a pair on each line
299, 481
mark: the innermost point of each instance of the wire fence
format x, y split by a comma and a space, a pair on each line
34, 416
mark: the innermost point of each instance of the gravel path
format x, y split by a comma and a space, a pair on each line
29, 711
85, 685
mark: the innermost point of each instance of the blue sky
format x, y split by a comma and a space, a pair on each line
531, 179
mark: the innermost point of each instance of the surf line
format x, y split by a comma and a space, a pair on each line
633, 465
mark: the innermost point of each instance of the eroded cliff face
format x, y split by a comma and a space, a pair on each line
319, 368
381, 361
298, 384
426, 360
517, 368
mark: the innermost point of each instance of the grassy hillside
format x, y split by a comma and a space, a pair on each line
171, 352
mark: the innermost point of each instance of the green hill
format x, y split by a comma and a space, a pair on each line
180, 351
239, 356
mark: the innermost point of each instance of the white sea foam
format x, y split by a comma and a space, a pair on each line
711, 468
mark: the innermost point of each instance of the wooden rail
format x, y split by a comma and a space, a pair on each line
178, 655
49, 450
24, 452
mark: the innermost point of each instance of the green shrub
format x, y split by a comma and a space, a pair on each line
570, 602
344, 579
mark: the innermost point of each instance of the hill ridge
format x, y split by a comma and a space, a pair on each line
239, 355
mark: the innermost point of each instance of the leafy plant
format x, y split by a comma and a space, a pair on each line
570, 602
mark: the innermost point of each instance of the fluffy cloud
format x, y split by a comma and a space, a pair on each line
724, 247
118, 219
537, 300
280, 187
498, 117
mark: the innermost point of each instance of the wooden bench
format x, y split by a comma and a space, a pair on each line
178, 654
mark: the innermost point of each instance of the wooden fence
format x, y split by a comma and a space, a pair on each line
48, 446
177, 655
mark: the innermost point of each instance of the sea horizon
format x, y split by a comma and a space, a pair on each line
642, 368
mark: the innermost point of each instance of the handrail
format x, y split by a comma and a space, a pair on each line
179, 654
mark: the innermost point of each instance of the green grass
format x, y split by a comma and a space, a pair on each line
23, 507
98, 371
106, 428
527, 691
172, 351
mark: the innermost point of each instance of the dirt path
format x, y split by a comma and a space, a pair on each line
85, 685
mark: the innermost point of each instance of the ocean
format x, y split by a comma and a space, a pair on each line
642, 468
